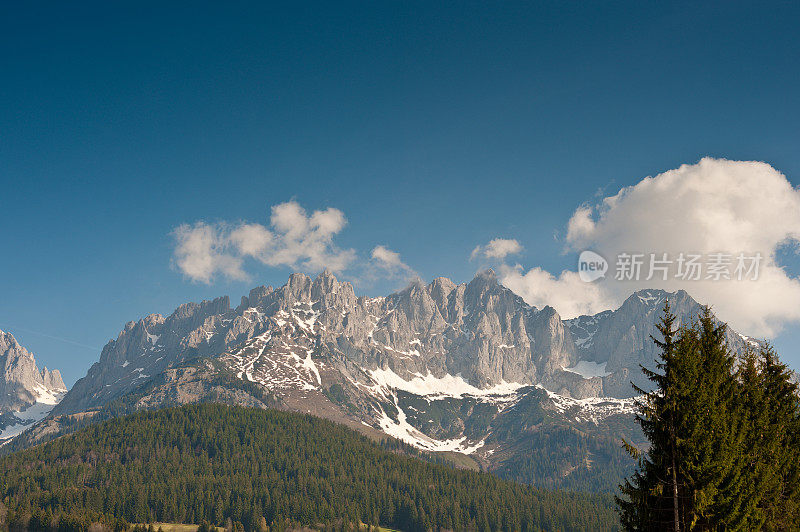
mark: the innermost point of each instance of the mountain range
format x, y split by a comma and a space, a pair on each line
469, 370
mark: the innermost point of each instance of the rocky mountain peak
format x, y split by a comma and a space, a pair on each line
484, 280
440, 288
7, 341
52, 379
485, 293
299, 285
324, 283
256, 296
21, 382
329, 292
480, 331
193, 313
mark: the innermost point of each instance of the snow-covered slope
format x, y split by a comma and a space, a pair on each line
23, 419
26, 394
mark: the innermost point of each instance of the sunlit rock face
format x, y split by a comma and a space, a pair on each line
468, 368
26, 393
479, 331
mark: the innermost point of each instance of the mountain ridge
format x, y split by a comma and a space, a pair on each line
26, 393
479, 330
468, 368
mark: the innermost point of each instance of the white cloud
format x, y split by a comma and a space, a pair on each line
200, 253
294, 239
566, 293
581, 223
387, 258
714, 206
388, 262
498, 248
251, 239
306, 242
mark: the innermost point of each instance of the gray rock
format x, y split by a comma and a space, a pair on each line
479, 330
21, 382
623, 339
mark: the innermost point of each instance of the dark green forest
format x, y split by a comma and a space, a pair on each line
542, 461
724, 437
266, 469
553, 455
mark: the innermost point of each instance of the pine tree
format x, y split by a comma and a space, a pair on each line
779, 435
651, 498
695, 469
758, 447
713, 447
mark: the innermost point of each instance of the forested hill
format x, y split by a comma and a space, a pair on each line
209, 462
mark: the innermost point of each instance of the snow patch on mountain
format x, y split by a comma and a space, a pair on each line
48, 396
588, 369
592, 409
650, 297
430, 386
34, 413
404, 431
751, 341
281, 358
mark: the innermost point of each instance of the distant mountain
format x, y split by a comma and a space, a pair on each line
26, 394
468, 368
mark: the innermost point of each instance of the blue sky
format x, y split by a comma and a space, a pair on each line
432, 128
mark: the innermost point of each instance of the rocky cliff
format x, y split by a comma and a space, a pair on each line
479, 331
467, 368
26, 394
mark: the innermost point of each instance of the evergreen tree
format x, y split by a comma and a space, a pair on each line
693, 474
286, 469
758, 447
724, 449
778, 438
651, 498
713, 445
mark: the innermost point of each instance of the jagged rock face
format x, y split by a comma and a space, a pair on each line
619, 341
480, 331
21, 383
26, 394
469, 368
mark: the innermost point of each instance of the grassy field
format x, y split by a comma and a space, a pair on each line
461, 460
